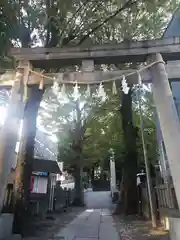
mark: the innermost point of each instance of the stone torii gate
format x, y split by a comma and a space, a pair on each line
155, 52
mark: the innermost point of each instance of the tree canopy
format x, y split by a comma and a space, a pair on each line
62, 23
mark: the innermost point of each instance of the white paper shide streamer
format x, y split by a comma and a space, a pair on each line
63, 91
125, 87
76, 92
55, 88
101, 92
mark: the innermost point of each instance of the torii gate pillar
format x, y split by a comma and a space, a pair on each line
168, 118
8, 137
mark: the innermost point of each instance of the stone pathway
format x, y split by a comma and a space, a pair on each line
90, 225
93, 223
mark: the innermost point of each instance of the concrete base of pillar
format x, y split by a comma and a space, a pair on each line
114, 195
174, 228
6, 222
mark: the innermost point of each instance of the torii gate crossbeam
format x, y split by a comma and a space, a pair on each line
136, 51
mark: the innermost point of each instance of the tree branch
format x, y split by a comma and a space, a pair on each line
80, 27
48, 27
125, 6
73, 17
71, 35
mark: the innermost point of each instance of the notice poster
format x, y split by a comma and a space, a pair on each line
38, 184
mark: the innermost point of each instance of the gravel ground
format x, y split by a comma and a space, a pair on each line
47, 227
132, 228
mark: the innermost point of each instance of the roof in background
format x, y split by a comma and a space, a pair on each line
39, 165
42, 165
173, 28
44, 147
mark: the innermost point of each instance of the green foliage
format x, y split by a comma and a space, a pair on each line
7, 22
98, 128
62, 22
103, 22
148, 110
105, 132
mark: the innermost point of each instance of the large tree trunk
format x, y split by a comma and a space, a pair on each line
92, 174
78, 188
77, 149
128, 190
25, 158
78, 194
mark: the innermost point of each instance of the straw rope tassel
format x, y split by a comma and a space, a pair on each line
139, 78
100, 90
88, 91
114, 89
25, 83
41, 84
63, 90
76, 91
25, 95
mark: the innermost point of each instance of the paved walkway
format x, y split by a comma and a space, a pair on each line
92, 224
97, 200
